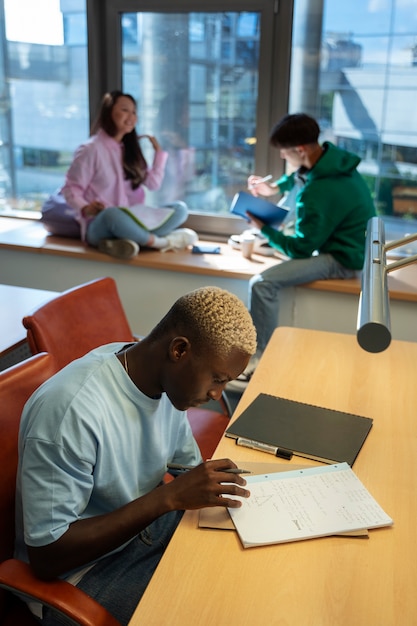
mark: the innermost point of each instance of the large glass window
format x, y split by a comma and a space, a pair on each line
206, 81
195, 77
44, 96
210, 82
354, 67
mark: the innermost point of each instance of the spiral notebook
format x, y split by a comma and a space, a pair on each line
307, 430
303, 504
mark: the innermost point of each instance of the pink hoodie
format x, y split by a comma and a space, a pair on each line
96, 174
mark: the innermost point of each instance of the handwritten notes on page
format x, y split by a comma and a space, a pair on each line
306, 503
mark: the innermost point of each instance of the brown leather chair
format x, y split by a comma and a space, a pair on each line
78, 320
90, 315
17, 383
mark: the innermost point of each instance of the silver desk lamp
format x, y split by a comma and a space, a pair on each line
374, 322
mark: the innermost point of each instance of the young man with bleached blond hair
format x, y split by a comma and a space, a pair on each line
96, 439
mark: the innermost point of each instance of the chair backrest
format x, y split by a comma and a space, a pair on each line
17, 383
78, 320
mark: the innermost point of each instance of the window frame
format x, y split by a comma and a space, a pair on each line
105, 72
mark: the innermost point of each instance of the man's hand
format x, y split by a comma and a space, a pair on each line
254, 221
207, 485
88, 539
258, 188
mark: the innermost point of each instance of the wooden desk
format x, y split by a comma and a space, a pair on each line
15, 303
207, 578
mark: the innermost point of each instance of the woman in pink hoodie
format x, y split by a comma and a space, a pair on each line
109, 171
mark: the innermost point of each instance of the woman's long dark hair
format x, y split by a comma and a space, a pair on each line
134, 162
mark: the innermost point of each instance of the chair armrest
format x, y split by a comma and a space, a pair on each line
17, 577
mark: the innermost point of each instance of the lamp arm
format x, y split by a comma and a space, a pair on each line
401, 263
400, 242
396, 244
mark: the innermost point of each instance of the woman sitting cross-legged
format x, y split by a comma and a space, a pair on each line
108, 172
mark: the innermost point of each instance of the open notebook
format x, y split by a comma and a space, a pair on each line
305, 503
219, 517
149, 217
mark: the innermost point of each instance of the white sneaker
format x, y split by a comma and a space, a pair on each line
119, 248
180, 239
241, 382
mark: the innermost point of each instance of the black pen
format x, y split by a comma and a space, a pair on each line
184, 468
283, 453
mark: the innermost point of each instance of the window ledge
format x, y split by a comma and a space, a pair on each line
31, 236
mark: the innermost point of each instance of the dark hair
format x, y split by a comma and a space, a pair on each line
134, 162
294, 130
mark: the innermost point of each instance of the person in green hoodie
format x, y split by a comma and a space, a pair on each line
333, 206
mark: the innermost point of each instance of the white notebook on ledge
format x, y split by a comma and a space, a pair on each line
303, 504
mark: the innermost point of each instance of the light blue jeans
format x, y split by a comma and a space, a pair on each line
265, 289
112, 223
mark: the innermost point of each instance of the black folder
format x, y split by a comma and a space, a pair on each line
307, 430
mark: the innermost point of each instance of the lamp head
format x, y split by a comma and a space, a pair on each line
374, 324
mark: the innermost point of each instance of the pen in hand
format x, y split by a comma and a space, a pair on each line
185, 468
261, 180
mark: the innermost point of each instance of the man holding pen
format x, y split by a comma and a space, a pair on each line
98, 437
333, 206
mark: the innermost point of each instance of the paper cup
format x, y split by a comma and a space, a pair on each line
247, 246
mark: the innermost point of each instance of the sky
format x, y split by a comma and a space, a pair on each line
34, 21
370, 16
40, 21
370, 21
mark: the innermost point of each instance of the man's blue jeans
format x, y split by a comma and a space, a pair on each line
119, 580
265, 289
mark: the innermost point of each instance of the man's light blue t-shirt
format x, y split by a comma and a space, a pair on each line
89, 443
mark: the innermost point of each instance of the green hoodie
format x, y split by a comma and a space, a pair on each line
333, 208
